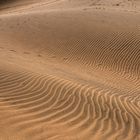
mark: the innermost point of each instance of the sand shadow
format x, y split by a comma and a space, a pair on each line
3, 2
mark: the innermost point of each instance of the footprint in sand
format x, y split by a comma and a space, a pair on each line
39, 55
26, 53
12, 50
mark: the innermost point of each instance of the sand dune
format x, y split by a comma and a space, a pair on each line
69, 70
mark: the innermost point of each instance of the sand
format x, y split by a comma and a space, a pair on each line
70, 70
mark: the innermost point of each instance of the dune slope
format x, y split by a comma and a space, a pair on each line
69, 70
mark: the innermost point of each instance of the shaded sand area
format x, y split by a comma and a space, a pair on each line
70, 70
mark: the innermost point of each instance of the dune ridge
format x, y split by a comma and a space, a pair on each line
69, 70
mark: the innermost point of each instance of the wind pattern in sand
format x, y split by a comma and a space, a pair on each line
69, 70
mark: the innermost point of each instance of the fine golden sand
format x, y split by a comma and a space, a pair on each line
70, 70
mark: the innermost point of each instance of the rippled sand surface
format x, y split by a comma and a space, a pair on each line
69, 70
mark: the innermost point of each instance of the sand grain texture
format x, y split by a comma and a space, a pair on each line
69, 70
